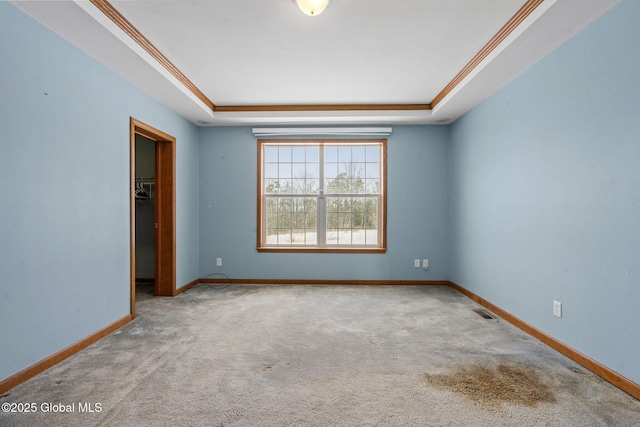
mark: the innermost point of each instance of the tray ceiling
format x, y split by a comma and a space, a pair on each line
239, 62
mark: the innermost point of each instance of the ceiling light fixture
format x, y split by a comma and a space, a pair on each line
312, 7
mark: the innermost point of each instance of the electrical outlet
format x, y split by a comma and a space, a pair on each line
425, 263
557, 308
218, 262
416, 263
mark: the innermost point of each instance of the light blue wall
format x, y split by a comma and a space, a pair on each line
545, 193
64, 191
542, 178
417, 220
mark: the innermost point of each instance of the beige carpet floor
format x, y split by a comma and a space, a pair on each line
318, 356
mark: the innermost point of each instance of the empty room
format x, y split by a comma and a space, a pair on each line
320, 213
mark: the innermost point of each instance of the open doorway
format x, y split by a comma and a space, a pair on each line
145, 228
152, 210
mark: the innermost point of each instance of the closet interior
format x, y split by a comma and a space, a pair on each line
145, 210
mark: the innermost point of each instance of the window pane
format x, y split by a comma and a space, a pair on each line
298, 153
357, 220
344, 186
284, 220
272, 222
358, 170
373, 154
345, 170
271, 204
284, 204
313, 153
284, 238
310, 221
299, 204
345, 221
311, 186
312, 170
284, 170
371, 236
283, 186
373, 170
331, 153
311, 237
297, 221
344, 237
344, 153
271, 186
284, 154
270, 170
357, 186
332, 220
298, 186
271, 238
358, 204
373, 186
371, 220
291, 221
358, 153
330, 170
298, 170
345, 205
271, 154
332, 237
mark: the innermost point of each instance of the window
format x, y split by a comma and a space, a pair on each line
322, 195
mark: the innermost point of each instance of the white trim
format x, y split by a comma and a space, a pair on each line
368, 131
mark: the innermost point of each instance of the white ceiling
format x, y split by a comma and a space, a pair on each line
358, 52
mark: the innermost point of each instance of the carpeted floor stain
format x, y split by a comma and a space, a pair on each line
506, 384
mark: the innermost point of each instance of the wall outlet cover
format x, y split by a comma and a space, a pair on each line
557, 308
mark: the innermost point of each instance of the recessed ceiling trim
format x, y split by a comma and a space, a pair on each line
454, 85
324, 107
359, 131
112, 13
527, 9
